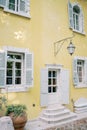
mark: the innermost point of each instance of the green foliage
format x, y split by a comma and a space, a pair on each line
3, 102
17, 110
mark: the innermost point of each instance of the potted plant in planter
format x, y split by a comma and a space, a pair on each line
18, 115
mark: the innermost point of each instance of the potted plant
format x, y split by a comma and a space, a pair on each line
18, 115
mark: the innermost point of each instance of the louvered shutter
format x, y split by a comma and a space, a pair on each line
81, 23
75, 75
64, 86
85, 81
70, 13
44, 88
29, 69
24, 6
2, 3
2, 69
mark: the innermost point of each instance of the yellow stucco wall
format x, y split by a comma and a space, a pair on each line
48, 24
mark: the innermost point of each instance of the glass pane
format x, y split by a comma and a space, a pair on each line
54, 73
18, 81
9, 65
12, 4
18, 72
49, 89
9, 56
49, 74
54, 89
9, 72
54, 81
49, 81
17, 56
18, 65
9, 81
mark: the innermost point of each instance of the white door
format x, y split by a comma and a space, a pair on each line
54, 96
54, 86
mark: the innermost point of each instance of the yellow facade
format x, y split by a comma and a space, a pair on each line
48, 23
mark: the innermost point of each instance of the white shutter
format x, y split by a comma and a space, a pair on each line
29, 69
75, 75
70, 13
65, 86
81, 23
2, 3
44, 88
24, 6
85, 81
2, 69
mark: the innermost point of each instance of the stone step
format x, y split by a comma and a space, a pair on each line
54, 109
56, 114
70, 116
80, 108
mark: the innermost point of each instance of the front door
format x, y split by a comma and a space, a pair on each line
54, 86
54, 96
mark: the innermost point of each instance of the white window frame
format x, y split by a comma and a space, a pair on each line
51, 78
26, 83
13, 68
76, 82
80, 18
17, 11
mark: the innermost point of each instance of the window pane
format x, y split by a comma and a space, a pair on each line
17, 56
18, 65
49, 89
49, 74
9, 72
18, 73
9, 65
54, 89
54, 73
12, 4
49, 82
54, 81
18, 81
9, 81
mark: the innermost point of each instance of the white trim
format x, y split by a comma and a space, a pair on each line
17, 13
84, 84
15, 49
54, 66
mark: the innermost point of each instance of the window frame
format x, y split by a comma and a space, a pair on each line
14, 61
24, 13
71, 17
51, 78
76, 82
27, 74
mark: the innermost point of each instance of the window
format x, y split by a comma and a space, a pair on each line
19, 7
16, 69
76, 17
80, 72
52, 81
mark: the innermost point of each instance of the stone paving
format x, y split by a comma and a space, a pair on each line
75, 125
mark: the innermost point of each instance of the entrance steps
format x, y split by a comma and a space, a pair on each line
57, 114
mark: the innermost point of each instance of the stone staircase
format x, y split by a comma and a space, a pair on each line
57, 114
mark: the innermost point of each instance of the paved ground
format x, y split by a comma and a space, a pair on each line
75, 125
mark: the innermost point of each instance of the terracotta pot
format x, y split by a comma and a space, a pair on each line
19, 122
